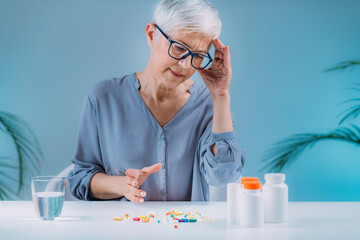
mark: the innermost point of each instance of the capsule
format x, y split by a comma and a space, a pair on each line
136, 219
117, 218
145, 220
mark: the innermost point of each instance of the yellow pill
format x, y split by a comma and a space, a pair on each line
118, 218
145, 220
127, 216
143, 217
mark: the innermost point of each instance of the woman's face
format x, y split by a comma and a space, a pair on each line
169, 71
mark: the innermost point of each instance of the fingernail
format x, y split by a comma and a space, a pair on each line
141, 200
142, 194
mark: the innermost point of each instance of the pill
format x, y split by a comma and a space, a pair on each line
118, 218
136, 219
127, 216
158, 221
172, 215
143, 217
146, 220
176, 226
192, 220
151, 215
184, 220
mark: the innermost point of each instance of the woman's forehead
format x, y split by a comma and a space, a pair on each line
198, 42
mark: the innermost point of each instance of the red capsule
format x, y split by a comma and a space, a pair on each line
136, 219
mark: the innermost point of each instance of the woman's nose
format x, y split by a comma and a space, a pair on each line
186, 62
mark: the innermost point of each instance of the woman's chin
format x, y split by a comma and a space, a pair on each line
172, 82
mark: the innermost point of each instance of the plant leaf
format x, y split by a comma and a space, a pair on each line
27, 146
343, 65
285, 152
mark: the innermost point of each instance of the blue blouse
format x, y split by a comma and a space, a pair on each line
117, 131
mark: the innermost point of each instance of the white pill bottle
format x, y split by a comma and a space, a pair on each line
233, 203
276, 198
252, 205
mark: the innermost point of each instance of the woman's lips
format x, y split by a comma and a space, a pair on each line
176, 74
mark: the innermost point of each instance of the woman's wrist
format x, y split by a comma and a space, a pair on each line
103, 186
221, 97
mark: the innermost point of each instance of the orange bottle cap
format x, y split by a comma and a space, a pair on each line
252, 185
245, 179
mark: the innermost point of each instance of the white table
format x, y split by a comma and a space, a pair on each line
94, 220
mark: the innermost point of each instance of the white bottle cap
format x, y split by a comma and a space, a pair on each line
274, 177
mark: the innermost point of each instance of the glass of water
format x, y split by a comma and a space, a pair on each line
48, 196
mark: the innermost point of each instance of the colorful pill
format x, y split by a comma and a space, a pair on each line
192, 220
118, 218
185, 220
143, 217
127, 216
136, 219
176, 226
158, 221
145, 220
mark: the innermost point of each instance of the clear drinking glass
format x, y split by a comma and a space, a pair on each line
48, 196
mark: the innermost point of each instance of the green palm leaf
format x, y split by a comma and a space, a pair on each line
28, 150
285, 152
350, 113
344, 65
353, 111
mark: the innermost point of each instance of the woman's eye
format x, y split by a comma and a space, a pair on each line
199, 56
179, 48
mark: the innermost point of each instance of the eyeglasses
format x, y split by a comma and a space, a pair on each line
179, 51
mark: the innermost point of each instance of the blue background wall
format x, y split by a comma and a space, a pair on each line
52, 52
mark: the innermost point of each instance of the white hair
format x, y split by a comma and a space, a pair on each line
197, 16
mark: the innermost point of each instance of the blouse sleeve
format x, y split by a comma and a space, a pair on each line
226, 165
87, 158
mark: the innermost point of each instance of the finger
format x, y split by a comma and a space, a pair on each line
137, 192
152, 169
134, 198
218, 55
219, 43
227, 58
131, 181
133, 173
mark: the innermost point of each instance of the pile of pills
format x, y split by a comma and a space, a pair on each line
172, 217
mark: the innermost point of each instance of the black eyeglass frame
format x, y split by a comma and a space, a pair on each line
189, 51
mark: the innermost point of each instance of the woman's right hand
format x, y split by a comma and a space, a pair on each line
134, 179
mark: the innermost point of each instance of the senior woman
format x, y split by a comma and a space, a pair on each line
156, 134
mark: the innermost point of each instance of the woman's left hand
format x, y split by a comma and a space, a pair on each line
218, 77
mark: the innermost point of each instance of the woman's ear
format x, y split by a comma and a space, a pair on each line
150, 34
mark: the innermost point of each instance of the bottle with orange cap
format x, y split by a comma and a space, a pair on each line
252, 205
248, 179
234, 205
